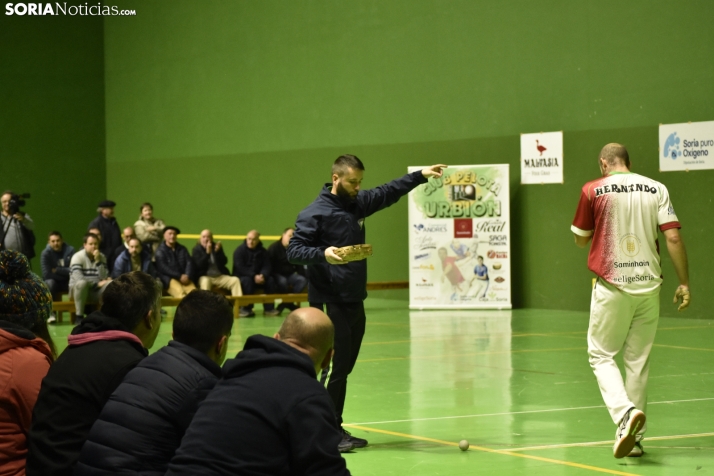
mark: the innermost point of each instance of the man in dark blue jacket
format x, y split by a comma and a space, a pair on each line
252, 266
269, 416
55, 259
336, 219
107, 224
134, 258
174, 264
141, 426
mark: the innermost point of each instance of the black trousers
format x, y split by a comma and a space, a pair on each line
249, 287
349, 321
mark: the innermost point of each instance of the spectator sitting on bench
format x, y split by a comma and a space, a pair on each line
210, 261
174, 265
126, 235
89, 275
288, 277
134, 258
252, 266
55, 259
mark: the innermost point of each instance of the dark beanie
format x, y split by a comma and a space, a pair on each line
24, 297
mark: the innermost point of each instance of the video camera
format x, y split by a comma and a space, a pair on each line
16, 201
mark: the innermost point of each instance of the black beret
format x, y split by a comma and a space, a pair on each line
107, 204
178, 232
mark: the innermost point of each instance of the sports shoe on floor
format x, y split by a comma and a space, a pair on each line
52, 319
637, 451
356, 442
246, 313
345, 445
272, 313
626, 434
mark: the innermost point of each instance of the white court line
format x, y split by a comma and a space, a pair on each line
549, 410
608, 442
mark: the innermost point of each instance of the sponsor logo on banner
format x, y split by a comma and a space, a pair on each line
500, 279
424, 242
497, 266
630, 245
463, 228
431, 228
489, 226
430, 267
424, 283
421, 256
497, 240
497, 254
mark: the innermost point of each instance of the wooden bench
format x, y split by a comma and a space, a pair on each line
238, 301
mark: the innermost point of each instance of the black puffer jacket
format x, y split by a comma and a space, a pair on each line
101, 352
142, 424
332, 220
171, 264
268, 416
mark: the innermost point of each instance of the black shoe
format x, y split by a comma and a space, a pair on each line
246, 313
356, 442
345, 445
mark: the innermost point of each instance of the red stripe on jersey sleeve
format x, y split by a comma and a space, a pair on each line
669, 226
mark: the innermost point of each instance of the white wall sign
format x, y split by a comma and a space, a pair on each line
687, 146
542, 158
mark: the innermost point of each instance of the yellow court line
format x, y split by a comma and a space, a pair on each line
490, 450
187, 236
681, 347
608, 442
381, 359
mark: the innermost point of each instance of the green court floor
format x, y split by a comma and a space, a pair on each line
516, 385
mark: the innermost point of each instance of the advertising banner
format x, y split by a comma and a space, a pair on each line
687, 146
542, 158
460, 241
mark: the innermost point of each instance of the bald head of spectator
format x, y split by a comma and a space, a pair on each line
128, 234
252, 239
310, 331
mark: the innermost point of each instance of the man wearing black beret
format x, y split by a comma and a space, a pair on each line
111, 234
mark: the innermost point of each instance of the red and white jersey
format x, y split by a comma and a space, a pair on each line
622, 213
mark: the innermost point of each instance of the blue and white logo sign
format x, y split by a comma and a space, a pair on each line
688, 146
671, 146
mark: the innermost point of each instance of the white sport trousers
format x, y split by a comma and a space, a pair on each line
628, 323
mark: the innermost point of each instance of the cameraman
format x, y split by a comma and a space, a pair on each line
16, 226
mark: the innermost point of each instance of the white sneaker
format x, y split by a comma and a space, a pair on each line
626, 434
52, 319
637, 451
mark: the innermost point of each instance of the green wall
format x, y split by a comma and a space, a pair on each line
228, 114
52, 120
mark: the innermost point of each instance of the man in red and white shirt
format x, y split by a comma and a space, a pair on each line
621, 212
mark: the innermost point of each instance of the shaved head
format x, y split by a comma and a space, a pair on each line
309, 330
614, 153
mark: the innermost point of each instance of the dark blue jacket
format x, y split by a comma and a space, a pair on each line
332, 220
141, 426
249, 262
171, 264
50, 259
268, 416
111, 237
123, 264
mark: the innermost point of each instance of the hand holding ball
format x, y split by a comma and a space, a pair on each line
464, 445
